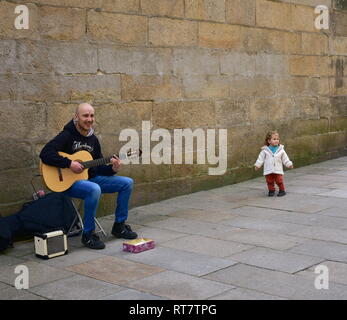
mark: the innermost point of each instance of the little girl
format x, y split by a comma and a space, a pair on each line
273, 157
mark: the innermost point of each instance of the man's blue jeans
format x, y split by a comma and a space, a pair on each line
91, 190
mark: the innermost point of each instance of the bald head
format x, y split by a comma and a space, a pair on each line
84, 118
83, 107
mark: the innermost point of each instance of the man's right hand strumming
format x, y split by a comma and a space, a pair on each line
76, 167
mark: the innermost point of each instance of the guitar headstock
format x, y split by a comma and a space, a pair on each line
131, 154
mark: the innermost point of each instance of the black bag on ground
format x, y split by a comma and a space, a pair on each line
54, 211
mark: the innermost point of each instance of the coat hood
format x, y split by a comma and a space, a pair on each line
280, 147
71, 127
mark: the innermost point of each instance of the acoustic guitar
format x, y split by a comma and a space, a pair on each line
61, 179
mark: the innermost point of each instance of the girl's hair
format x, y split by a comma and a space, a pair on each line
269, 135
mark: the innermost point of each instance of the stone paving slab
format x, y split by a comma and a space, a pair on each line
244, 294
207, 246
338, 193
308, 190
202, 215
11, 293
337, 272
39, 273
292, 202
183, 261
276, 283
263, 225
232, 242
338, 185
3, 285
75, 256
192, 227
325, 249
335, 212
7, 261
318, 220
268, 239
114, 270
21, 249
76, 288
256, 212
179, 286
320, 233
276, 260
131, 294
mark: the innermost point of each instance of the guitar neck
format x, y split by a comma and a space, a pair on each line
101, 161
97, 162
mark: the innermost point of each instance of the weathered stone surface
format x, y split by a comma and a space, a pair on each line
73, 58
264, 40
310, 66
273, 14
312, 3
113, 270
117, 28
338, 46
116, 117
175, 115
174, 33
237, 64
259, 86
9, 85
170, 8
135, 61
271, 65
182, 286
62, 23
195, 61
303, 18
314, 44
28, 120
240, 12
40, 87
118, 5
58, 115
206, 86
212, 35
33, 56
18, 155
93, 88
302, 86
14, 189
339, 23
150, 87
205, 10
8, 57
232, 112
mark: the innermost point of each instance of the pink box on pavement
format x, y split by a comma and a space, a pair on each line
138, 245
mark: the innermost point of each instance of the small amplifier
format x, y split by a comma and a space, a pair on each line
51, 244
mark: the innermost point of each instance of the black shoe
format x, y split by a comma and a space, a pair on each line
122, 230
271, 193
281, 193
92, 241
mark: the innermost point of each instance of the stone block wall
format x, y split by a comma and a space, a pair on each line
244, 65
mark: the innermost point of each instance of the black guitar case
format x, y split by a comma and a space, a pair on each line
52, 212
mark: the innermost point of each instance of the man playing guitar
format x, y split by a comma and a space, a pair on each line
77, 135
